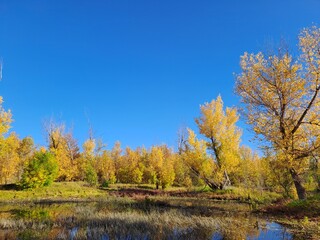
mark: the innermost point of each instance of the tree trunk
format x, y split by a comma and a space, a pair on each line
226, 180
301, 191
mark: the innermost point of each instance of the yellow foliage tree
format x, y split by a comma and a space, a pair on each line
182, 172
249, 169
116, 157
65, 149
5, 119
130, 169
87, 159
9, 158
25, 151
160, 166
201, 165
105, 167
282, 102
219, 127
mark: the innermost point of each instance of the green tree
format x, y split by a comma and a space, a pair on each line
91, 176
40, 171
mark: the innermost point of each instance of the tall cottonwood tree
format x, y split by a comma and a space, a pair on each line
282, 102
219, 127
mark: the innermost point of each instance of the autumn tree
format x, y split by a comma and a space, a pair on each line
201, 165
116, 157
130, 169
223, 138
182, 172
159, 166
71, 147
104, 166
9, 158
87, 162
166, 171
5, 119
249, 173
25, 151
65, 148
315, 166
281, 96
277, 175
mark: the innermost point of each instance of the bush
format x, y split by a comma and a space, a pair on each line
105, 184
91, 176
40, 171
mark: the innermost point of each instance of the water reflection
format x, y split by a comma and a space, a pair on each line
274, 231
127, 219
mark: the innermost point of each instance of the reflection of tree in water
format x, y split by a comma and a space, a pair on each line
238, 228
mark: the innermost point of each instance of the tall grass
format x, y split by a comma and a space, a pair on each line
121, 219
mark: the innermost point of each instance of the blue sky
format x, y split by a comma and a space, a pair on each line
137, 71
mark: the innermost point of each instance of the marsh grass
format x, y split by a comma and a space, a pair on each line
149, 217
119, 219
77, 211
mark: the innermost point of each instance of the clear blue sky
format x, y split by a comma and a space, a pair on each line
138, 70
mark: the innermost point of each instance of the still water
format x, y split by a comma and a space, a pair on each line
128, 219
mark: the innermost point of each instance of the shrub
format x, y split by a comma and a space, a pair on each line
105, 184
40, 171
91, 175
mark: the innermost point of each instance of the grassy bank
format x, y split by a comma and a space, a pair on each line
80, 191
303, 216
58, 191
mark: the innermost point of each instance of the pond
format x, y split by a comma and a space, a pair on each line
124, 218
